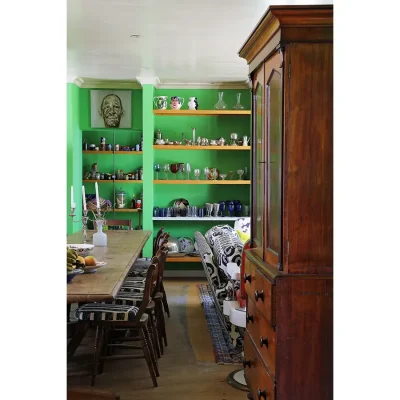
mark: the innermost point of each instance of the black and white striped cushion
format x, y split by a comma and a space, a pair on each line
106, 312
129, 298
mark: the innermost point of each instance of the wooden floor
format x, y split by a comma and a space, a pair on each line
187, 368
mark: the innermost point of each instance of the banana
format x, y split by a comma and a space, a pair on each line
72, 253
71, 260
70, 268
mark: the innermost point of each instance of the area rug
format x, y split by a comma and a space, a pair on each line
224, 351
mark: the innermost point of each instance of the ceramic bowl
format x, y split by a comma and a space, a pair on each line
82, 249
93, 268
72, 274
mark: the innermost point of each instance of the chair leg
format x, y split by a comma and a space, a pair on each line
162, 333
147, 356
164, 300
98, 344
151, 348
104, 349
154, 335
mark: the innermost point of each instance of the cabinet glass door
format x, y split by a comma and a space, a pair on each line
274, 162
260, 168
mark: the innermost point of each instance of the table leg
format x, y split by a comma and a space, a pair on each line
80, 332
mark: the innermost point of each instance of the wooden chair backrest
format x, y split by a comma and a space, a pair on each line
155, 243
147, 292
116, 222
163, 253
163, 239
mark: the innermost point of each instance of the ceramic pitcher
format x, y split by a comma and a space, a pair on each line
193, 104
160, 102
176, 102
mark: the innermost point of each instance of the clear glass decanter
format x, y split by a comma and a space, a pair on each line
238, 105
100, 238
220, 105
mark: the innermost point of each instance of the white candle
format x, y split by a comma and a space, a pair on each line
97, 196
72, 197
83, 197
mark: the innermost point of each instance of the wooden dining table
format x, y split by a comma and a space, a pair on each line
123, 248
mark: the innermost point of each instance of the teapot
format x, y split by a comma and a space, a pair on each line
160, 102
193, 104
176, 102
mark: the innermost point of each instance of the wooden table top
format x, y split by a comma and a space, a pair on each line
123, 247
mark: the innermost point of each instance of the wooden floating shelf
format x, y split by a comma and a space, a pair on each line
110, 181
183, 259
180, 147
111, 152
201, 112
196, 218
199, 182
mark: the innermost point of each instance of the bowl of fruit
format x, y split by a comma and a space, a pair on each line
82, 250
91, 264
74, 264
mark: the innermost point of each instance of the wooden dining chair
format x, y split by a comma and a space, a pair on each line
116, 222
131, 290
105, 316
139, 268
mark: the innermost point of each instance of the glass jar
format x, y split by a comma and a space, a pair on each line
120, 198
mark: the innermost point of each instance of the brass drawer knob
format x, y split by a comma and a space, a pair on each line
261, 393
247, 278
246, 363
264, 341
250, 318
259, 295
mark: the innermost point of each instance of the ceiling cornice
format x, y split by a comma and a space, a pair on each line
90, 83
210, 85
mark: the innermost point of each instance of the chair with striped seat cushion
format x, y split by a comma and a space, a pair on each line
106, 312
130, 318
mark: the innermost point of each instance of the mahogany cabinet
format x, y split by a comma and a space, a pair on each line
289, 272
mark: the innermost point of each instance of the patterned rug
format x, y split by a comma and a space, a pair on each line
224, 351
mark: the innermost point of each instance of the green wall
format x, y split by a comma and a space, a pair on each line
74, 157
145, 123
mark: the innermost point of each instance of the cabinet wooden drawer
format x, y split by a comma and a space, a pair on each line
259, 381
250, 277
264, 297
266, 342
262, 334
252, 319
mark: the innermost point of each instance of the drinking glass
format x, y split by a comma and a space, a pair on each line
157, 168
214, 173
222, 176
188, 169
240, 173
174, 169
197, 173
215, 209
231, 209
222, 208
182, 169
166, 170
209, 208
206, 172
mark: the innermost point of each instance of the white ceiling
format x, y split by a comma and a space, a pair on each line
181, 41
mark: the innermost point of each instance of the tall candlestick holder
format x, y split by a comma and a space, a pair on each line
84, 221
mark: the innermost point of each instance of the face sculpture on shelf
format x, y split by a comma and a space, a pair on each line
111, 110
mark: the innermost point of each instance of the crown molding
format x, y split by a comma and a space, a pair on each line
148, 80
91, 83
210, 85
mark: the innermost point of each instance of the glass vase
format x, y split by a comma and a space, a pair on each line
220, 105
100, 238
238, 106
